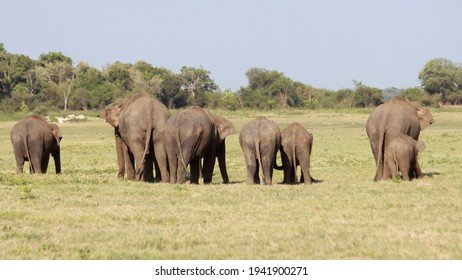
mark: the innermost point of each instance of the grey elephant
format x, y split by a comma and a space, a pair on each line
388, 121
401, 155
296, 147
194, 134
34, 140
139, 125
260, 140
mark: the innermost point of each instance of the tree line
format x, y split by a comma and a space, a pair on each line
52, 83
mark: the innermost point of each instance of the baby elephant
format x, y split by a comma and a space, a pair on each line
401, 155
296, 147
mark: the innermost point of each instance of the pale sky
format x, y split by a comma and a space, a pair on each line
323, 43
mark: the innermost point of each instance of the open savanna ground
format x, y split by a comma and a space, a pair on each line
87, 213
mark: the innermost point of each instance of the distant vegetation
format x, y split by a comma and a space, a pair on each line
53, 82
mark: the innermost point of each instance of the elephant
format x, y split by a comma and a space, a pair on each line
401, 155
34, 139
194, 134
260, 140
139, 124
388, 121
296, 145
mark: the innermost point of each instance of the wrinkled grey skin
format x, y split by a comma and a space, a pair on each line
34, 139
401, 155
194, 134
139, 124
296, 148
260, 140
388, 121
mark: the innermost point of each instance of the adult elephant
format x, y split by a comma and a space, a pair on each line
388, 121
296, 147
194, 134
139, 125
260, 140
34, 139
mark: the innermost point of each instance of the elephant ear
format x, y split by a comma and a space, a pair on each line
56, 133
420, 146
224, 127
425, 117
112, 113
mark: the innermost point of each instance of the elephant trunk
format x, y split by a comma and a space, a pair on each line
57, 158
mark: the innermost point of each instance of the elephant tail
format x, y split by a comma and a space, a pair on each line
146, 148
26, 147
258, 154
381, 150
180, 151
294, 163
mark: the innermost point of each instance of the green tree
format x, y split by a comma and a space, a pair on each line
417, 94
57, 71
197, 81
229, 101
13, 69
119, 74
366, 96
442, 77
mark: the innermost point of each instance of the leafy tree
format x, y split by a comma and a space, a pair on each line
229, 101
197, 81
13, 70
366, 96
388, 93
441, 76
56, 70
119, 74
54, 58
417, 94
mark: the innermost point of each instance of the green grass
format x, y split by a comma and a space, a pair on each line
86, 213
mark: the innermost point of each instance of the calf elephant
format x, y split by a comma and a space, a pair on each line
139, 124
34, 139
195, 134
401, 155
295, 148
388, 121
260, 141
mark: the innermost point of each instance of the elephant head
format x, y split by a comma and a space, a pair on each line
111, 112
56, 151
425, 117
224, 127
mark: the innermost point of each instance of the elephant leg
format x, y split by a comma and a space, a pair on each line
138, 153
148, 173
221, 155
120, 157
19, 162
183, 163
418, 172
172, 164
286, 163
404, 167
209, 164
305, 167
267, 166
44, 163
252, 168
35, 162
194, 166
160, 153
129, 163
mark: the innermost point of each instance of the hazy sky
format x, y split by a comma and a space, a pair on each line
324, 43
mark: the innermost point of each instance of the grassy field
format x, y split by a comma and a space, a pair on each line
86, 213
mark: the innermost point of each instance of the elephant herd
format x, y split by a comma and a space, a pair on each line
147, 137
